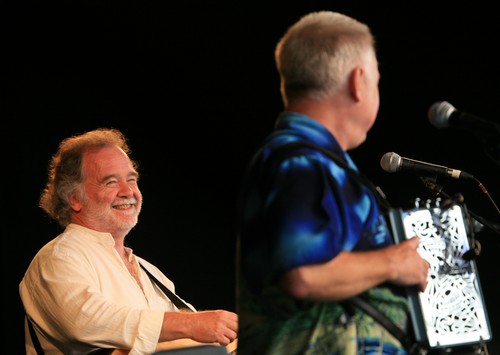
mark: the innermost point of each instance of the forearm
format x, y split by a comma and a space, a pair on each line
215, 326
346, 275
175, 326
351, 273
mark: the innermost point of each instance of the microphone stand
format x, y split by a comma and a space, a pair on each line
431, 185
491, 148
491, 143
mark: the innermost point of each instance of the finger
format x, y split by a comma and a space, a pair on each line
415, 241
422, 286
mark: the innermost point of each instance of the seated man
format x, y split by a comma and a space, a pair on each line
85, 290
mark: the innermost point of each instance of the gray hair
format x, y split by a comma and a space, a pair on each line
316, 54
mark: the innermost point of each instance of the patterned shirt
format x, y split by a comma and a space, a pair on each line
300, 208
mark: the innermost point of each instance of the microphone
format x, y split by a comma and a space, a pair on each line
392, 162
443, 115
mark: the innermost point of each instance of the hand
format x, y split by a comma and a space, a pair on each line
217, 326
410, 268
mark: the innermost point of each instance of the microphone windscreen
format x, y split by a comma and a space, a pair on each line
439, 114
390, 162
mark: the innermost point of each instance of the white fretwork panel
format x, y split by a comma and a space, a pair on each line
452, 306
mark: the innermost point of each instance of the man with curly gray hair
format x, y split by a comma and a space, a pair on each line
85, 290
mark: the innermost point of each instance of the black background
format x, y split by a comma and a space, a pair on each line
194, 87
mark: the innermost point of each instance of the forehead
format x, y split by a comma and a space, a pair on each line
105, 160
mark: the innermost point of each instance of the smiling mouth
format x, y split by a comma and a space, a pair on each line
123, 207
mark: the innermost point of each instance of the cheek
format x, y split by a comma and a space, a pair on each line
104, 195
376, 95
375, 104
137, 193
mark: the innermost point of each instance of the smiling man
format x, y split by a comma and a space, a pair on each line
86, 291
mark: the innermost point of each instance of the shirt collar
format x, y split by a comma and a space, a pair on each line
104, 238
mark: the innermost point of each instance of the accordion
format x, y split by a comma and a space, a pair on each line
451, 311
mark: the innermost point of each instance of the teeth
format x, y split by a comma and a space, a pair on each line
125, 204
122, 207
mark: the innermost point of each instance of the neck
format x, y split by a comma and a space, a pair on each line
120, 246
324, 113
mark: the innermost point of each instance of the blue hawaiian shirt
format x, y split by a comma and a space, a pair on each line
299, 208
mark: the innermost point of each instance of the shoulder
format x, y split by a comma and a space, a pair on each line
298, 154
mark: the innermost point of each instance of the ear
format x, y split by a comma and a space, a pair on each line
357, 83
74, 202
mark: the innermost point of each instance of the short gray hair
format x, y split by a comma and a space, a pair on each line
317, 53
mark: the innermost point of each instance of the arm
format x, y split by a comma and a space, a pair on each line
217, 326
187, 329
213, 326
351, 273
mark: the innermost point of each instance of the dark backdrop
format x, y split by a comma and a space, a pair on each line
194, 88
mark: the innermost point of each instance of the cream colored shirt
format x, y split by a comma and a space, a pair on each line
80, 295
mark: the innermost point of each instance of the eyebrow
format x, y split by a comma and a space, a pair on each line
110, 176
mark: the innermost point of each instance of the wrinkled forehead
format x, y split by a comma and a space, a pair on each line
109, 160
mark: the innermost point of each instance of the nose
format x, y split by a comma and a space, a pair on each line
125, 189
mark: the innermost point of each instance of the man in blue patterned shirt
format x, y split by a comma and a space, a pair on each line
312, 231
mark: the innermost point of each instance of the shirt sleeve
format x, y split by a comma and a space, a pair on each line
304, 219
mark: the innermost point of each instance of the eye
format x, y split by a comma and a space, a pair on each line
110, 183
133, 178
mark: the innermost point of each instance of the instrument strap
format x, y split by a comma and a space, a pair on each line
411, 346
34, 338
39, 349
172, 296
281, 151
